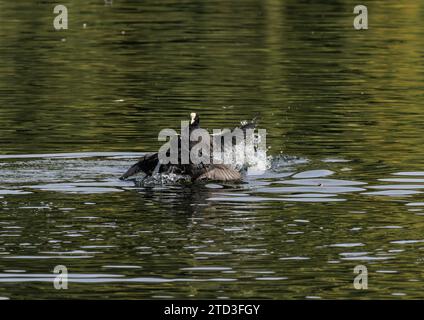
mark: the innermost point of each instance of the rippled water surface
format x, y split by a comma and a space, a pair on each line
344, 116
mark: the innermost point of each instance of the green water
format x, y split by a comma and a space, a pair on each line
344, 116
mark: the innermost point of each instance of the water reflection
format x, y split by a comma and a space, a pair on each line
342, 109
202, 233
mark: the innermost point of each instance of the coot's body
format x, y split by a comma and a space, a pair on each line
149, 164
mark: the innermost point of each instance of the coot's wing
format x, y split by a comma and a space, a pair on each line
147, 164
244, 127
227, 133
219, 172
250, 124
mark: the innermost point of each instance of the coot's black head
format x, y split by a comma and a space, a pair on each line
194, 120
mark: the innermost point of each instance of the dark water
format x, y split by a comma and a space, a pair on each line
344, 115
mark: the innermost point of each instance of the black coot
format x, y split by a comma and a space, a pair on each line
149, 164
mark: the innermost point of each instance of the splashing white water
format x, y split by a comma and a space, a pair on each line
250, 158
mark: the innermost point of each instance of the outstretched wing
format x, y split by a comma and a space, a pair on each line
147, 164
222, 137
250, 124
219, 172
